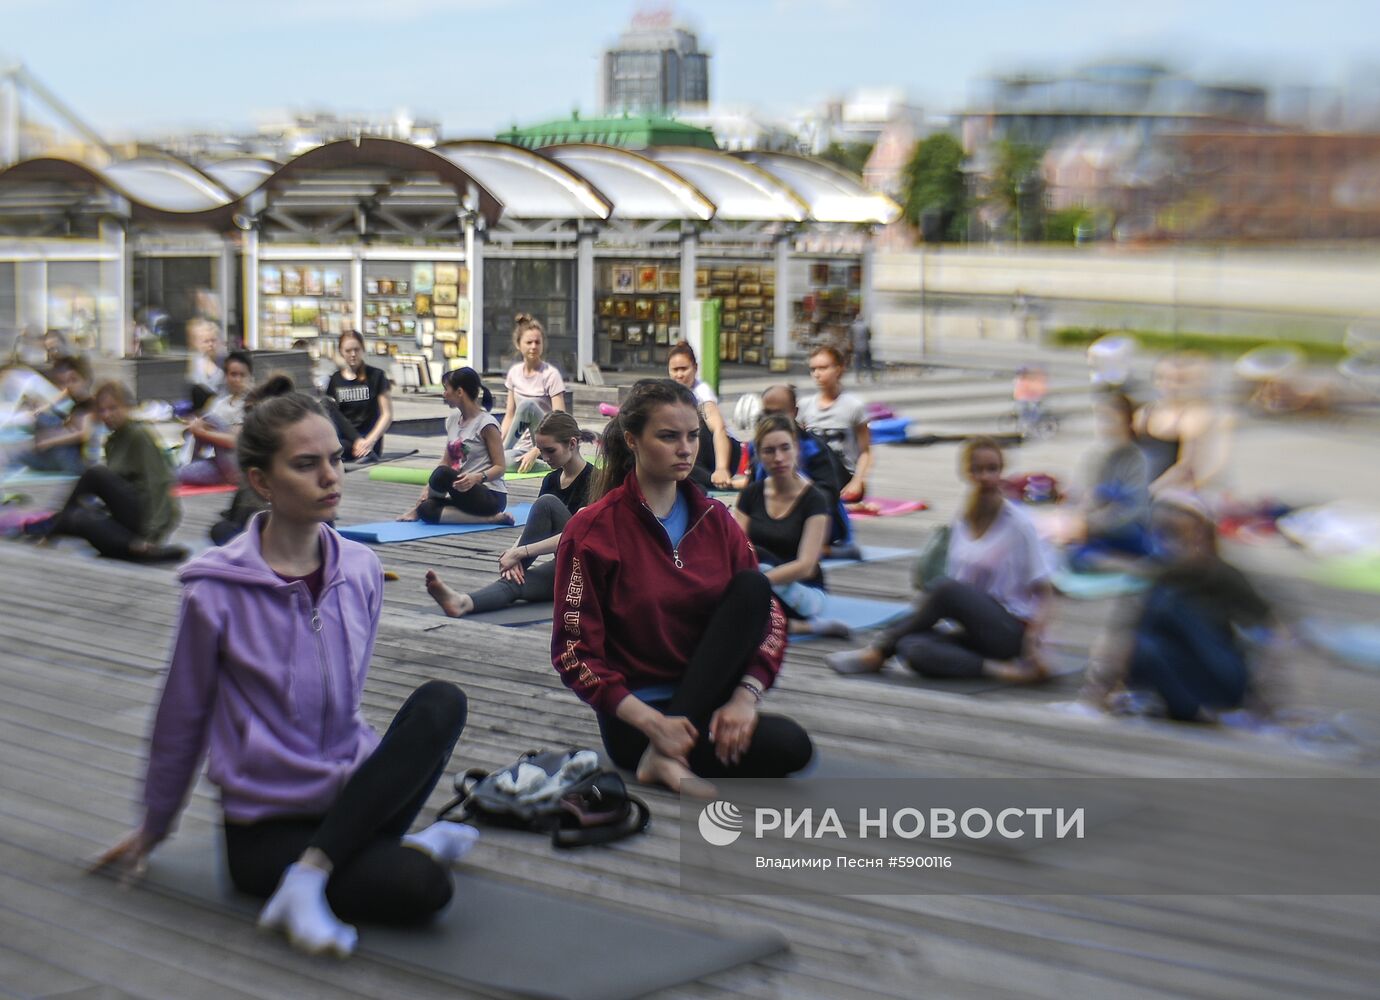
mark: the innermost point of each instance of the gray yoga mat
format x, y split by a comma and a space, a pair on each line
504, 937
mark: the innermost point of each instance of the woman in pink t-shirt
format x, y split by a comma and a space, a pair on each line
535, 388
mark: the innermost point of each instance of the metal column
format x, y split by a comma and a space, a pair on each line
584, 303
781, 329
250, 263
474, 260
689, 243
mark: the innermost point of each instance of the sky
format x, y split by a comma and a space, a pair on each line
144, 66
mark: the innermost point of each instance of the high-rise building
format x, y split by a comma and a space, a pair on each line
655, 67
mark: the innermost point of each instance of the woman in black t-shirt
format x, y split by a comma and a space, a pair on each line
564, 491
786, 518
360, 392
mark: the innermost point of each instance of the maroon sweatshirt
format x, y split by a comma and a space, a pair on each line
630, 609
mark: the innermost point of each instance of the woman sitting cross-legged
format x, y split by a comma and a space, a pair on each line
468, 487
787, 520
564, 491
122, 507
663, 623
267, 677
994, 596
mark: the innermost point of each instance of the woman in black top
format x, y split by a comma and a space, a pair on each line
564, 491
787, 520
360, 392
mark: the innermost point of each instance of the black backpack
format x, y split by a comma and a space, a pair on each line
564, 792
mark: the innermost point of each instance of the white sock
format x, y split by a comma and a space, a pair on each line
446, 842
299, 909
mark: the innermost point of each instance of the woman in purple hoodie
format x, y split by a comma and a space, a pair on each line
273, 643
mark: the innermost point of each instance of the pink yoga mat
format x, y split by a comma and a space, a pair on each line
181, 490
882, 507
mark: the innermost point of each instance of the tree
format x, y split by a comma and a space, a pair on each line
935, 189
850, 156
1017, 184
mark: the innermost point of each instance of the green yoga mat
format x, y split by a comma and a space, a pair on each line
420, 477
1360, 573
1097, 586
28, 477
497, 935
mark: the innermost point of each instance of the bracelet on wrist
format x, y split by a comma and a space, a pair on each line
753, 690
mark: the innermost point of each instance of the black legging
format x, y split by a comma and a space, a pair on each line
706, 460
989, 632
111, 528
374, 877
479, 501
779, 745
548, 516
347, 432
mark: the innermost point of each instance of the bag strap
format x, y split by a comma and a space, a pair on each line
638, 818
464, 786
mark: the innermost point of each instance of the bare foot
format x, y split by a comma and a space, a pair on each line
453, 604
657, 769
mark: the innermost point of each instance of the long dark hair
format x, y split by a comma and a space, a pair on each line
467, 380
633, 414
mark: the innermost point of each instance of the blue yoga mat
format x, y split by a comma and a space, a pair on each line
858, 612
889, 430
1357, 642
871, 553
1096, 586
387, 532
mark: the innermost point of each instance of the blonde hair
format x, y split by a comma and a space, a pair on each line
523, 322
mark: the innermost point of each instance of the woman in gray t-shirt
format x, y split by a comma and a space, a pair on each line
840, 418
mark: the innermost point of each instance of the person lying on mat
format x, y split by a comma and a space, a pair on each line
786, 518
266, 676
995, 593
360, 394
664, 624
717, 459
564, 491
122, 507
840, 418
217, 429
535, 388
467, 487
818, 463
1188, 648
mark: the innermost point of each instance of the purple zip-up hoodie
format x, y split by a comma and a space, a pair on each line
266, 681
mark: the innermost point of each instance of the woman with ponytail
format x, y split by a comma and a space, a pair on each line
663, 623
996, 589
266, 681
535, 388
564, 491
467, 487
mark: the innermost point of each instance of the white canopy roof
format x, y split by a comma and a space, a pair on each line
531, 186
741, 190
833, 194
639, 187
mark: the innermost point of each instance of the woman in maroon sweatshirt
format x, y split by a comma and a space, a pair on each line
664, 625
